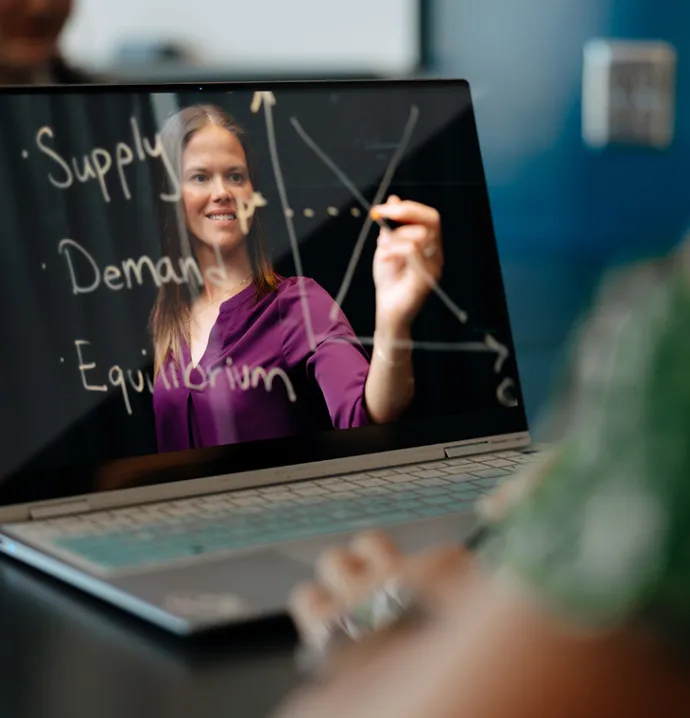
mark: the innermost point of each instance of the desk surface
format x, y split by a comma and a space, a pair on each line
65, 655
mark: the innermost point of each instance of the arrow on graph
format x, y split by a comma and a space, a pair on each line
502, 352
262, 97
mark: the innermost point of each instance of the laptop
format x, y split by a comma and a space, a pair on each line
195, 488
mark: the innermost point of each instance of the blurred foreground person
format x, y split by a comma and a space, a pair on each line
577, 604
29, 35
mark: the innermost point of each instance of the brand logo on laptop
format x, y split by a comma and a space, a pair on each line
191, 604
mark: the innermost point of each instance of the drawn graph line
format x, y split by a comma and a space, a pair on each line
504, 391
268, 100
378, 197
460, 314
489, 345
330, 163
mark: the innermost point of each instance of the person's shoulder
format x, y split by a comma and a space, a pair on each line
304, 301
293, 289
297, 284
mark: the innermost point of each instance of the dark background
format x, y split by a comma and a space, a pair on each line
49, 420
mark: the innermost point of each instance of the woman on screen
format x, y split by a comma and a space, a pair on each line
244, 354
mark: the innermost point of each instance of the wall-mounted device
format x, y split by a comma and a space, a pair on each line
628, 93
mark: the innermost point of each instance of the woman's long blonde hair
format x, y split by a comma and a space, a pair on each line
170, 317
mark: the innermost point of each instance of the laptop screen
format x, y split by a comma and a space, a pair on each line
192, 274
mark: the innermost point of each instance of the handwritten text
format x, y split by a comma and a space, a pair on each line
238, 378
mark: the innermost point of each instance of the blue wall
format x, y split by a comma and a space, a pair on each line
562, 211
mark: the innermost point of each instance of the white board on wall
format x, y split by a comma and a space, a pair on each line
380, 36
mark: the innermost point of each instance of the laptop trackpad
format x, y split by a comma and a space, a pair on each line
251, 585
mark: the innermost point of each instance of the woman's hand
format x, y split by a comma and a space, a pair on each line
407, 263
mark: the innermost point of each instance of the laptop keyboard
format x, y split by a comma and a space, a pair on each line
160, 533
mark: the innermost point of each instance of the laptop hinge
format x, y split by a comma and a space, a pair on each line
52, 511
474, 447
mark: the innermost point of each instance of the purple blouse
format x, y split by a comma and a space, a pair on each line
261, 377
